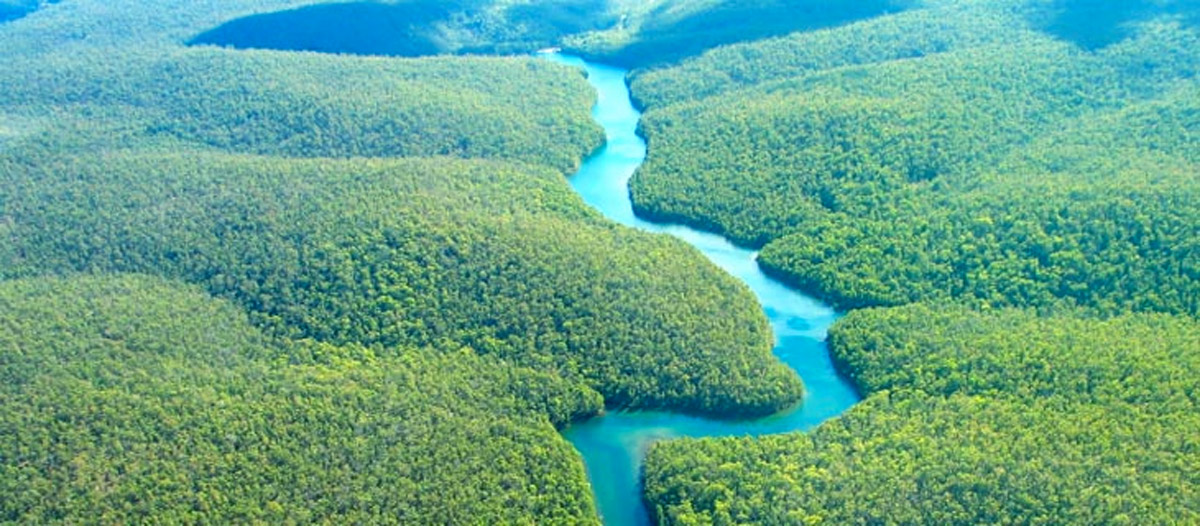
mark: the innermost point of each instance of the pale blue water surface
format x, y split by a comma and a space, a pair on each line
614, 445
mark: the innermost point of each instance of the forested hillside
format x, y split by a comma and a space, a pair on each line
311, 105
414, 28
255, 267
502, 258
664, 31
877, 173
625, 32
384, 27
366, 293
1019, 181
130, 400
999, 418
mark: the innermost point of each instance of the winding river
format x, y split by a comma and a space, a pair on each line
614, 445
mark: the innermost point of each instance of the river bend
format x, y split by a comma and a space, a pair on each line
614, 445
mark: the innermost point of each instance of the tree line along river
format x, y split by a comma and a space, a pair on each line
614, 445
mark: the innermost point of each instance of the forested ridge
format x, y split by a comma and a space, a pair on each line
130, 400
414, 27
1012, 186
1000, 418
385, 27
313, 105
493, 256
887, 177
271, 287
658, 32
265, 276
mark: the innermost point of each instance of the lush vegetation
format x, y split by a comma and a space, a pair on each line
631, 33
372, 252
998, 418
946, 166
270, 286
409, 252
664, 31
907, 35
366, 293
312, 105
1018, 179
1093, 25
413, 28
130, 400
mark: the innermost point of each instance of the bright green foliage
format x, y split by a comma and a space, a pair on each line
313, 105
970, 155
1139, 359
939, 26
502, 258
1000, 418
131, 400
1093, 214
344, 212
139, 81
908, 35
965, 162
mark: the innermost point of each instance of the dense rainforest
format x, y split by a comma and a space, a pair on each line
1013, 188
498, 257
132, 400
951, 165
290, 262
279, 286
652, 33
632, 33
415, 27
1007, 417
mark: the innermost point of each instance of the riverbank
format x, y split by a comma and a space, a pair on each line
614, 445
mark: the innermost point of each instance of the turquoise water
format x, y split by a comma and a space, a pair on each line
614, 445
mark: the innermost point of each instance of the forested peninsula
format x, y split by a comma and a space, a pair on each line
295, 262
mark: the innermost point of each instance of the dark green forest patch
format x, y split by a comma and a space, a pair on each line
1094, 24
673, 30
548, 21
411, 28
361, 28
14, 9
911, 34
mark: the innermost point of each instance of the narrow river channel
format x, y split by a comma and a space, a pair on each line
614, 445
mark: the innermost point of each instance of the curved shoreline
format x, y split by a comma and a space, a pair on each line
613, 445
